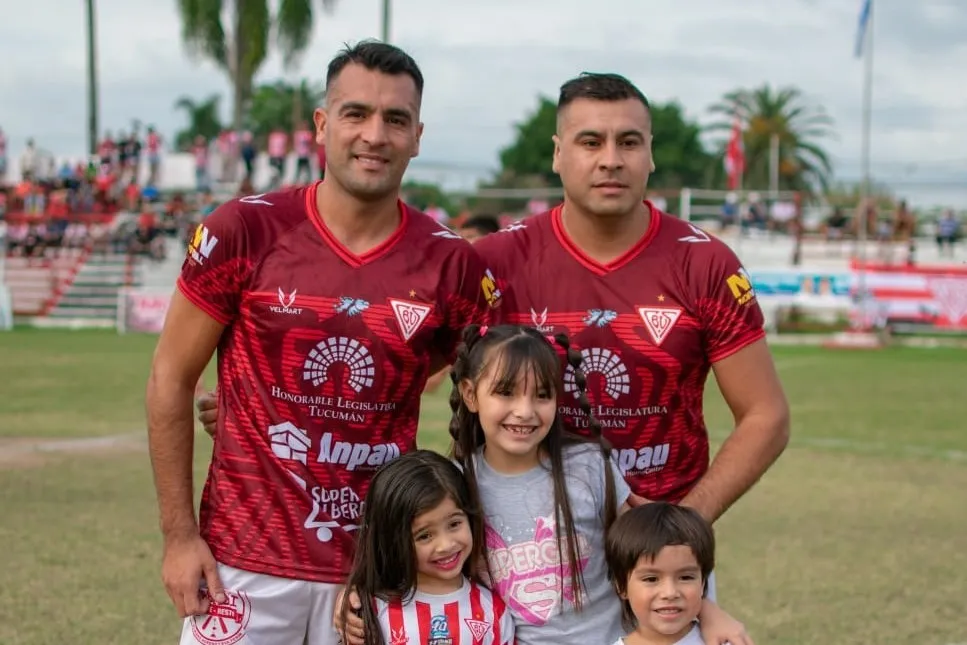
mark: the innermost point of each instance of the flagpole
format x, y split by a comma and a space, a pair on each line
866, 184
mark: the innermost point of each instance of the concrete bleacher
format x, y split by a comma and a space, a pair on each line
92, 296
35, 283
161, 276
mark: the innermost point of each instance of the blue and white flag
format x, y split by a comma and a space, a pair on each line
861, 28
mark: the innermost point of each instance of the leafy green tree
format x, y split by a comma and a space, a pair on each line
236, 35
203, 120
800, 127
680, 159
281, 105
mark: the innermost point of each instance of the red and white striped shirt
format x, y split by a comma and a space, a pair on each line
472, 615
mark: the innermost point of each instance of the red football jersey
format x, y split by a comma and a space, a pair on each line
320, 370
649, 326
473, 615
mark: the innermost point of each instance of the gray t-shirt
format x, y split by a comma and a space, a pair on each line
693, 637
523, 554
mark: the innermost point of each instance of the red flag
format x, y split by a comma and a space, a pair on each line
735, 156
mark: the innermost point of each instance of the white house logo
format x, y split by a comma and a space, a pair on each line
540, 320
289, 442
348, 351
608, 365
286, 302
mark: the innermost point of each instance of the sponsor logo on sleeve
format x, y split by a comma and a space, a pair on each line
740, 284
489, 287
202, 244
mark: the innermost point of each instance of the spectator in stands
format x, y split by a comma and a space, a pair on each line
948, 232
28, 161
248, 153
147, 239
836, 225
478, 226
3, 158
302, 140
756, 215
153, 143
246, 188
730, 211
437, 213
200, 151
175, 211
132, 195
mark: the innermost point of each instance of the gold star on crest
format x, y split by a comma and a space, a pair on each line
661, 298
412, 293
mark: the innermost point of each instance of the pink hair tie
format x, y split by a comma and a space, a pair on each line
483, 330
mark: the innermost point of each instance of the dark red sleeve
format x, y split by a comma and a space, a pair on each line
729, 311
218, 264
473, 297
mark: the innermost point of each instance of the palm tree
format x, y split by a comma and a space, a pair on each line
784, 114
240, 49
280, 104
202, 119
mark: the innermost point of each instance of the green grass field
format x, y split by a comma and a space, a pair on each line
857, 535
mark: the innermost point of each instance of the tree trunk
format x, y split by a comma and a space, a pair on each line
92, 89
238, 83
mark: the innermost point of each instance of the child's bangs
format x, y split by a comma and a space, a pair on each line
523, 357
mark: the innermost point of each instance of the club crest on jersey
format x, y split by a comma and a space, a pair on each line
659, 321
410, 316
225, 622
478, 628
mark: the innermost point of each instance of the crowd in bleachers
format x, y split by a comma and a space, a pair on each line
97, 206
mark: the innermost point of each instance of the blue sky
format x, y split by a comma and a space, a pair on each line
485, 63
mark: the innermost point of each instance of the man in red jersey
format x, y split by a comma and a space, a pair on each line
653, 303
329, 306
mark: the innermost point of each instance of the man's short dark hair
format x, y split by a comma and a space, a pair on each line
599, 87
642, 532
484, 224
379, 57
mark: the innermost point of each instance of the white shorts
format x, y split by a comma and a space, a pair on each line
265, 610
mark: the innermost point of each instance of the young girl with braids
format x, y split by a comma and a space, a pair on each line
548, 497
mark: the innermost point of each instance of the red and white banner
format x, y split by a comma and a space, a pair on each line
142, 311
934, 296
735, 156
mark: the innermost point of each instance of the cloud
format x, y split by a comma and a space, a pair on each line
486, 63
